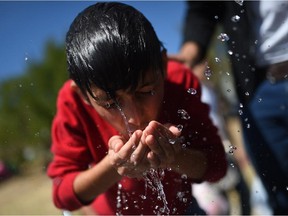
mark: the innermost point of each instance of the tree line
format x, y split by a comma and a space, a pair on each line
27, 107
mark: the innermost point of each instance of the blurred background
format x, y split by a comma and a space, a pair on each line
33, 67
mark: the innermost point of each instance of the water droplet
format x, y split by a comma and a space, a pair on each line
256, 42
192, 91
232, 149
107, 105
208, 72
240, 111
240, 2
230, 52
259, 100
217, 60
183, 114
235, 18
247, 93
248, 126
180, 195
180, 127
216, 17
143, 197
172, 141
228, 73
223, 37
228, 90
232, 165
241, 105
184, 176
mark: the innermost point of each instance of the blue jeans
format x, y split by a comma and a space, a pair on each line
194, 208
266, 140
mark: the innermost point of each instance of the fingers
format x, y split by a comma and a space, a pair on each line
151, 148
122, 151
126, 151
162, 140
154, 160
129, 158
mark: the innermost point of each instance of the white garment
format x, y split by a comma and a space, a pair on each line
270, 25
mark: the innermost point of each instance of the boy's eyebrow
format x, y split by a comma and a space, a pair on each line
102, 97
148, 82
151, 82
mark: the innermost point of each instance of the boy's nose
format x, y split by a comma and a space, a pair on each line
134, 113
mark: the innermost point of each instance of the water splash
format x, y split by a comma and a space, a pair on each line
223, 37
235, 18
232, 149
180, 127
240, 2
130, 132
207, 72
183, 114
152, 180
192, 91
121, 200
217, 60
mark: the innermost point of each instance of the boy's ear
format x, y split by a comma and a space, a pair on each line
165, 61
75, 88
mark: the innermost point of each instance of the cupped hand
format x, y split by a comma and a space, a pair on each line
163, 142
129, 157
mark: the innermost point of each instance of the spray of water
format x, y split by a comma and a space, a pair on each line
152, 179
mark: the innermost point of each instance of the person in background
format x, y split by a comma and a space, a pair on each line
128, 137
256, 34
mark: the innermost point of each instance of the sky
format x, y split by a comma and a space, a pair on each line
25, 27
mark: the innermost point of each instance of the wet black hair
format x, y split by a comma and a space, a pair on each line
112, 45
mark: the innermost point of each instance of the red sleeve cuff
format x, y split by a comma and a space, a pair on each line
64, 196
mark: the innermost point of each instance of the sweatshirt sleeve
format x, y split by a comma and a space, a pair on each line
70, 152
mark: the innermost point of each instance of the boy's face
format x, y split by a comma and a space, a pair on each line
131, 111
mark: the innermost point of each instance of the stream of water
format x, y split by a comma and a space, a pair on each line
152, 179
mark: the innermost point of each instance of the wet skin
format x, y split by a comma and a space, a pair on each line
144, 142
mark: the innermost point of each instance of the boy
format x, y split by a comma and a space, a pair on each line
126, 114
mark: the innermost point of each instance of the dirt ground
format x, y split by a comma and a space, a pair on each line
27, 195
